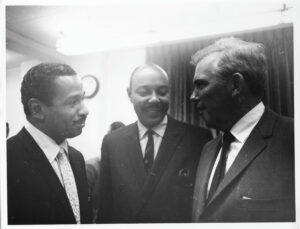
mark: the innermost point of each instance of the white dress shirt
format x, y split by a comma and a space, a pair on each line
159, 131
241, 131
48, 146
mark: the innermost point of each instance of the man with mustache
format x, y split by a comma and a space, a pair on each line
46, 179
148, 168
247, 173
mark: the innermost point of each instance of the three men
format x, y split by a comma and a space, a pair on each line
46, 177
148, 168
246, 174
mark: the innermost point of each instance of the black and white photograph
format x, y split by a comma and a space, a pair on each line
149, 114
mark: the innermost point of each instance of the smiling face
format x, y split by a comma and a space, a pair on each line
66, 116
149, 94
213, 94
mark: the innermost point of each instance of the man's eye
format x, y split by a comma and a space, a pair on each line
74, 102
200, 86
163, 91
142, 92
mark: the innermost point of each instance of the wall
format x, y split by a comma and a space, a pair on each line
111, 104
14, 110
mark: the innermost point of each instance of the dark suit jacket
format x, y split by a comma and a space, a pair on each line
35, 194
92, 167
127, 195
259, 186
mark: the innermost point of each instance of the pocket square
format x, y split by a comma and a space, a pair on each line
184, 172
246, 198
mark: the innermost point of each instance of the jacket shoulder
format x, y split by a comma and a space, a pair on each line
192, 129
17, 145
273, 124
15, 140
75, 153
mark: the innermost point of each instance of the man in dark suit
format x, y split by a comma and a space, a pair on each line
247, 173
46, 179
148, 168
93, 172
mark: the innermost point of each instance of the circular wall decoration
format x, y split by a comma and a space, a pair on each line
91, 86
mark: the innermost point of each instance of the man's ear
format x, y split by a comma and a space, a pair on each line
238, 83
36, 108
129, 93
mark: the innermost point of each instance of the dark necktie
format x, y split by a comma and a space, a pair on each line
221, 167
149, 151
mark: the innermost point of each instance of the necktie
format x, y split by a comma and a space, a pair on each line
149, 152
69, 183
221, 167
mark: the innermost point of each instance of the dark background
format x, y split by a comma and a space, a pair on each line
279, 94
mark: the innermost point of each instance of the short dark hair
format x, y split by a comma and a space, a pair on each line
143, 66
235, 55
38, 82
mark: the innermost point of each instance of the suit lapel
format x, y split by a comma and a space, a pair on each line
168, 147
204, 170
135, 157
253, 146
78, 175
38, 161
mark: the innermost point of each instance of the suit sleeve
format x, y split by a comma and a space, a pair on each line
12, 191
105, 211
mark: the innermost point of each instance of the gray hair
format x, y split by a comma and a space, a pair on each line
238, 56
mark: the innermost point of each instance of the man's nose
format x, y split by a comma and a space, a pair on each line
83, 109
153, 98
194, 96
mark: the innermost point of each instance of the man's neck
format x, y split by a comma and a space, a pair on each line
163, 121
239, 113
41, 127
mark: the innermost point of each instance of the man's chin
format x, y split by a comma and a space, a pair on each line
153, 121
207, 121
212, 125
75, 133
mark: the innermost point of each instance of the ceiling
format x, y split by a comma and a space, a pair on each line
33, 31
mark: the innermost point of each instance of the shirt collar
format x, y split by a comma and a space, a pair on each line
242, 129
158, 129
47, 144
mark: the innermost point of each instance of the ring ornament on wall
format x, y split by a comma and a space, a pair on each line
91, 86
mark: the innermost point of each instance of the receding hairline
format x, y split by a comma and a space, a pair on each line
140, 68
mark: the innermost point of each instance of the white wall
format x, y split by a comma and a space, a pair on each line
14, 110
111, 104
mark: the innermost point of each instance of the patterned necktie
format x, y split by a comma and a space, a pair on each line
149, 151
221, 167
69, 183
